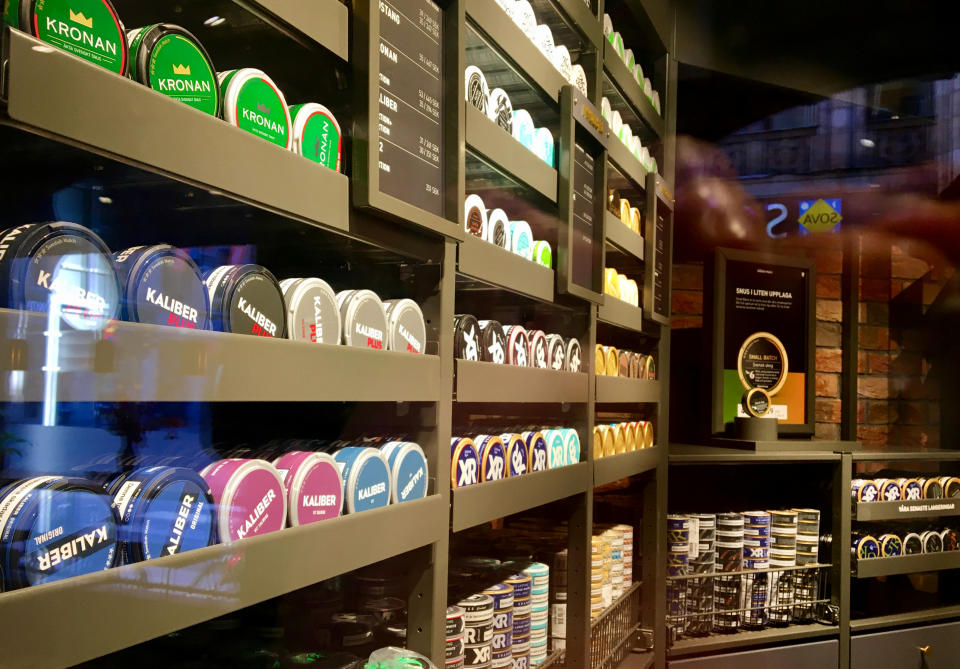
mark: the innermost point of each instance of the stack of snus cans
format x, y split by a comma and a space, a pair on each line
726, 589
807, 580
539, 608
478, 631
678, 564
783, 555
756, 555
703, 557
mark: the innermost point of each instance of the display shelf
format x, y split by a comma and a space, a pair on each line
631, 91
554, 659
696, 454
622, 237
498, 267
902, 619
626, 162
769, 636
617, 312
524, 56
623, 465
493, 382
199, 366
89, 616
906, 564
130, 122
498, 148
620, 389
902, 456
907, 509
576, 13
483, 502
639, 659
324, 21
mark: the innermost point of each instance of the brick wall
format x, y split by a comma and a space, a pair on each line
898, 401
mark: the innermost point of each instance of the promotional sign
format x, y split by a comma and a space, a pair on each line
763, 338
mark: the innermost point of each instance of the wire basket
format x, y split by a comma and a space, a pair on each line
613, 632
701, 604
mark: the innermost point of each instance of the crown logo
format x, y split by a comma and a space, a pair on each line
182, 69
81, 19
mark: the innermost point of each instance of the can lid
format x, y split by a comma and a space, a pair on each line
61, 266
498, 226
406, 329
493, 343
538, 349
543, 38
316, 134
464, 463
499, 109
363, 317
573, 363
408, 471
313, 485
475, 216
246, 299
368, 480
162, 285
250, 497
90, 22
476, 89
518, 345
312, 311
466, 335
254, 103
170, 60
516, 451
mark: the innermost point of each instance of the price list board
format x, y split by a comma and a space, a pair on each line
662, 243
585, 253
410, 116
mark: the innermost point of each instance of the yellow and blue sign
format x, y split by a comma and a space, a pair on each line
820, 216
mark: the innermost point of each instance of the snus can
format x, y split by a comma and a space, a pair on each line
316, 134
53, 528
521, 626
253, 103
536, 451
573, 361
455, 624
313, 486
364, 319
466, 337
313, 314
493, 458
250, 497
171, 61
518, 345
479, 632
493, 343
556, 448
516, 454
246, 299
521, 585
464, 463
89, 29
406, 330
163, 511
408, 470
161, 285
62, 267
366, 477
502, 594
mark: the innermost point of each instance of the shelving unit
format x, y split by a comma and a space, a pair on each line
492, 382
627, 88
495, 266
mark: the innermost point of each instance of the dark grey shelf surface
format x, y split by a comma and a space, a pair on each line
906, 564
615, 467
492, 382
515, 46
620, 389
907, 509
900, 456
498, 267
622, 237
631, 91
617, 312
772, 635
202, 366
483, 502
174, 592
324, 21
498, 147
696, 454
902, 619
625, 161
182, 142
582, 17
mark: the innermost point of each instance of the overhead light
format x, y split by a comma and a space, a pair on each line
214, 21
105, 200
869, 143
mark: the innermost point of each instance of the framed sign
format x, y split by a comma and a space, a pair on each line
582, 185
763, 333
403, 134
658, 233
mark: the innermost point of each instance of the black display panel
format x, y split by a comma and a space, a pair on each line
410, 101
586, 254
661, 301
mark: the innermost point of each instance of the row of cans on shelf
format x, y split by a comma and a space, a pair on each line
617, 438
491, 457
894, 544
610, 361
489, 341
611, 565
904, 488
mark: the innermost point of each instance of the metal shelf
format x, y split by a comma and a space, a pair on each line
515, 46
498, 267
907, 456
631, 91
769, 636
617, 312
626, 162
622, 237
615, 467
906, 564
621, 389
496, 146
324, 21
906, 510
138, 602
202, 366
583, 18
902, 619
492, 382
130, 122
483, 502
694, 454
